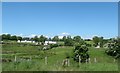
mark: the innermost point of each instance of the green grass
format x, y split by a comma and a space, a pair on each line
89, 42
55, 58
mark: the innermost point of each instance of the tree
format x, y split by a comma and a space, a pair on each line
118, 48
32, 39
14, 38
55, 38
96, 40
101, 40
68, 41
82, 52
114, 48
26, 38
19, 38
4, 37
8, 36
36, 39
42, 39
49, 39
64, 38
77, 38
78, 41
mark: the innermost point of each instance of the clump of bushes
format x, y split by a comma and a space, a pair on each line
81, 51
114, 48
53, 45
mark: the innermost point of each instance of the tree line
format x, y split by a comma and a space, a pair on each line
68, 40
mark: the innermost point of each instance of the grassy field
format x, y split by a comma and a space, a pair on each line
55, 57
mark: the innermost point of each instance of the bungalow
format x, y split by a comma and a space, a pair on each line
49, 42
25, 41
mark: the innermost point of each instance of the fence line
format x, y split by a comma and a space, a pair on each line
67, 61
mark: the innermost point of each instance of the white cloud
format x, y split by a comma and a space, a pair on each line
19, 35
64, 33
5, 33
32, 35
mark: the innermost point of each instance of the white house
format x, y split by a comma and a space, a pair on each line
49, 42
25, 41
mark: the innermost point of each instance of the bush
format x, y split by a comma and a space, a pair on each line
95, 45
114, 48
68, 42
88, 45
82, 52
53, 45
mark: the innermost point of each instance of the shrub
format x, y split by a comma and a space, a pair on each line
114, 48
82, 52
53, 45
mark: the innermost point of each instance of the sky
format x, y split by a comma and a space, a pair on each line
86, 19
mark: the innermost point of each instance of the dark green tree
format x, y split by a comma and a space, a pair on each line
69, 41
82, 52
64, 38
96, 40
42, 39
114, 48
77, 39
49, 39
8, 36
55, 38
14, 38
19, 38
4, 37
36, 39
101, 40
26, 38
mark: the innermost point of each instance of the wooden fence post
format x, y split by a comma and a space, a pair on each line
95, 60
89, 60
79, 60
68, 62
46, 60
15, 58
30, 58
114, 60
63, 63
86, 60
